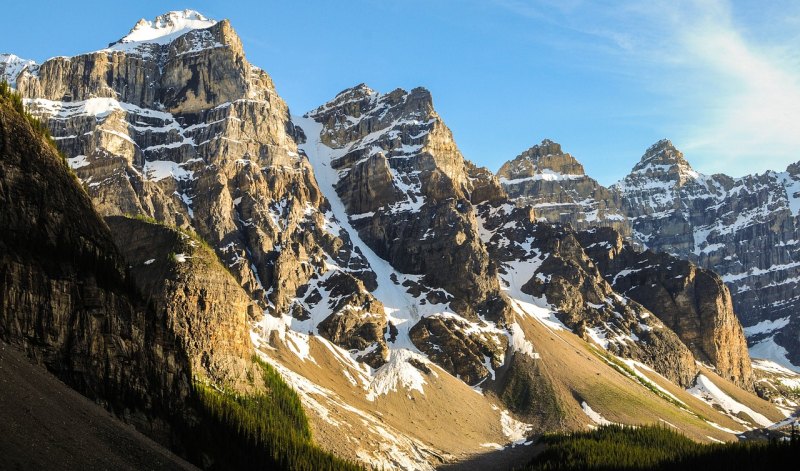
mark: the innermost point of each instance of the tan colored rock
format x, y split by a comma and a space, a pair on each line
555, 185
691, 301
203, 304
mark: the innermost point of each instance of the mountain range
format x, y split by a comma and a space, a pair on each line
200, 236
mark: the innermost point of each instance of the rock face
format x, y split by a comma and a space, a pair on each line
691, 301
136, 341
184, 283
449, 342
548, 262
172, 122
406, 192
745, 229
407, 189
64, 296
555, 185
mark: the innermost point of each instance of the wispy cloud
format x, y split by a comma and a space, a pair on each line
727, 72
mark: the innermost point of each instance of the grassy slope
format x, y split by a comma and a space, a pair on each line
579, 374
272, 425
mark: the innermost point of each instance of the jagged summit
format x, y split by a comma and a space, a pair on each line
555, 185
663, 159
11, 66
361, 98
360, 89
546, 158
165, 28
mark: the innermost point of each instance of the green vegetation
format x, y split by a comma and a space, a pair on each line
185, 231
39, 127
147, 219
654, 447
626, 370
262, 431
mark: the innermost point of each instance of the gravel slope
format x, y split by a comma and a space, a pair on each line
46, 425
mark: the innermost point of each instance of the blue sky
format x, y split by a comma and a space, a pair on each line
606, 79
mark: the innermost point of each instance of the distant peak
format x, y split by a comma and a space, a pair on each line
663, 152
661, 145
546, 157
11, 66
663, 159
359, 90
545, 148
164, 28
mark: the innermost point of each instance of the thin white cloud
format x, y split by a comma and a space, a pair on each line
750, 120
728, 76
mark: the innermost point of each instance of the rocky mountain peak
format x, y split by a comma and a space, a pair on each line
546, 158
792, 169
554, 183
165, 28
11, 66
352, 104
663, 161
357, 93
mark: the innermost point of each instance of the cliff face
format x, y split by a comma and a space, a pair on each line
64, 297
392, 171
745, 229
183, 282
150, 343
549, 263
555, 185
691, 301
183, 129
407, 189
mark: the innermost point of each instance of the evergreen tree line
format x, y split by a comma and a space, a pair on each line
659, 448
268, 430
39, 126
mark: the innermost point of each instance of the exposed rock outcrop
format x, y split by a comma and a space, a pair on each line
407, 190
466, 355
745, 229
181, 128
555, 185
691, 301
64, 296
548, 262
184, 283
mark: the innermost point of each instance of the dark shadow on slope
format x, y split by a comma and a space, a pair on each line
507, 458
44, 424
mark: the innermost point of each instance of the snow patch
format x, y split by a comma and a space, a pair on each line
77, 162
769, 350
163, 29
520, 343
513, 429
594, 416
708, 392
157, 170
766, 326
397, 371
